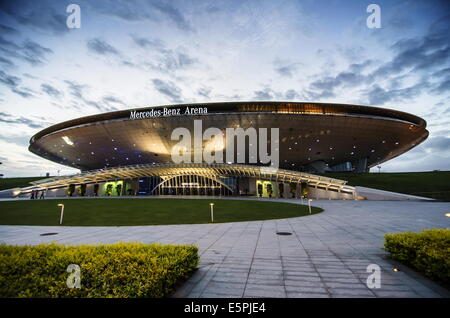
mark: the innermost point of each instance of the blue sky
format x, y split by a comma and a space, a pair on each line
142, 53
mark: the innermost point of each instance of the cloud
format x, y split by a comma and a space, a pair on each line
292, 94
170, 60
264, 94
12, 82
137, 10
101, 47
316, 96
168, 89
51, 91
432, 154
46, 16
112, 100
148, 43
4, 29
204, 92
29, 51
6, 62
285, 69
413, 60
419, 54
9, 80
379, 96
328, 86
439, 144
173, 14
79, 92
21, 140
159, 58
10, 119
24, 92
342, 79
34, 53
270, 94
76, 90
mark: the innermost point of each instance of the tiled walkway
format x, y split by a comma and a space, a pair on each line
326, 256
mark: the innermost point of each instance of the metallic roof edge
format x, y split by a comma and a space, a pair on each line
125, 113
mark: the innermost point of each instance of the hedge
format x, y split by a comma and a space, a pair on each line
428, 252
110, 270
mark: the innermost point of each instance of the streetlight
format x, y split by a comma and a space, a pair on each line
62, 213
212, 212
309, 205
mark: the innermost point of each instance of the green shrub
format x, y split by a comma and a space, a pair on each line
427, 252
110, 270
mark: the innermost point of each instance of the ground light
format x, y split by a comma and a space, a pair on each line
309, 205
447, 214
212, 212
62, 213
395, 269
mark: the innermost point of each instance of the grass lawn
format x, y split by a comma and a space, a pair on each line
9, 183
433, 184
110, 212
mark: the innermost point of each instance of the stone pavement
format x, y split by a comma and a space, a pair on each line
326, 256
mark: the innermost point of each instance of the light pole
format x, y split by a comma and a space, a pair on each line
62, 213
212, 212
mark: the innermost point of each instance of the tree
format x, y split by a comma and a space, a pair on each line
82, 190
119, 189
269, 189
71, 190
280, 189
260, 189
109, 189
304, 190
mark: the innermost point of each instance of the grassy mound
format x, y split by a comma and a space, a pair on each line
432, 184
9, 183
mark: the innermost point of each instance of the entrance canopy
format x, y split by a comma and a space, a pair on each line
166, 171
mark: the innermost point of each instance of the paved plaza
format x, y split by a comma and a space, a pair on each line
326, 256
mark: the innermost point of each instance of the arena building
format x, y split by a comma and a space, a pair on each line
128, 152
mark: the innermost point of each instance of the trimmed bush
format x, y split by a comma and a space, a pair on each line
110, 270
428, 252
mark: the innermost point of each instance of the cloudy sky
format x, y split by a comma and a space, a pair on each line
142, 53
